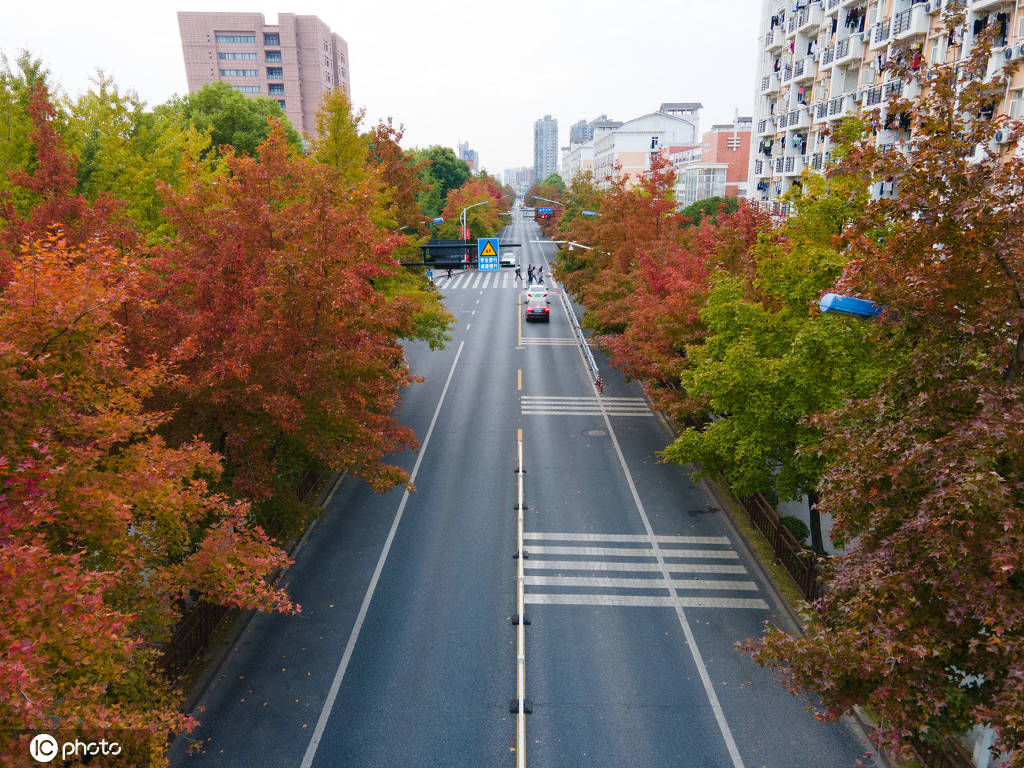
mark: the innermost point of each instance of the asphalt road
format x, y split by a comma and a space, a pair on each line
637, 587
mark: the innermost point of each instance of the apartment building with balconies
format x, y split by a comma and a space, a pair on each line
297, 61
820, 61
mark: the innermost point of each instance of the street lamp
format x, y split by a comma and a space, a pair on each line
462, 218
546, 200
431, 222
848, 305
572, 244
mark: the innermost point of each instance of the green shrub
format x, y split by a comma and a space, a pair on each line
796, 526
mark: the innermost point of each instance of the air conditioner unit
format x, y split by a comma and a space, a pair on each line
934, 6
1009, 53
1002, 136
1020, 51
857, 96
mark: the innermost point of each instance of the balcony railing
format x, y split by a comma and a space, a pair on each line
835, 106
816, 163
821, 110
798, 68
778, 164
881, 33
787, 73
893, 88
843, 48
833, 4
827, 55
874, 96
765, 81
900, 22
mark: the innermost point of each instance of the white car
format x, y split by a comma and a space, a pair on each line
535, 292
508, 260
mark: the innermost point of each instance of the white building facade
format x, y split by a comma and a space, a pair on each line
630, 145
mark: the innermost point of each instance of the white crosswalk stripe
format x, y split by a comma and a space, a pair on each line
583, 406
639, 580
549, 342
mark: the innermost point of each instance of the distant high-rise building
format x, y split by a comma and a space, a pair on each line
583, 131
297, 61
545, 148
580, 132
470, 156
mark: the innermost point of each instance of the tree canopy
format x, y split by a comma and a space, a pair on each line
233, 119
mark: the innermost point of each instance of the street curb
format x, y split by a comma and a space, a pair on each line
241, 623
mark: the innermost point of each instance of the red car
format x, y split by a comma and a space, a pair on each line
538, 309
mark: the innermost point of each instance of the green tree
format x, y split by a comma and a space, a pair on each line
339, 143
234, 119
710, 208
124, 150
771, 360
16, 149
445, 170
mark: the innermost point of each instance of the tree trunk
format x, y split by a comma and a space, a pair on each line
817, 541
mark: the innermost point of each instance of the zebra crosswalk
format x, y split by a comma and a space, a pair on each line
472, 280
637, 571
535, 405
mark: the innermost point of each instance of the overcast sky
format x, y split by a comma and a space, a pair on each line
449, 70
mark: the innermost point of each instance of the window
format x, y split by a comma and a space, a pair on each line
938, 53
275, 73
239, 73
247, 88
276, 89
274, 57
237, 56
236, 38
271, 38
1016, 108
281, 102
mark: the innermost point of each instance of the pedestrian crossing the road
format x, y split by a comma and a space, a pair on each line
636, 571
535, 405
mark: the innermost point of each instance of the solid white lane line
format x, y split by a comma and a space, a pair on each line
684, 623
339, 675
681, 602
628, 567
627, 537
646, 601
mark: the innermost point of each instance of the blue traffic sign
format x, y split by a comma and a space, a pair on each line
487, 254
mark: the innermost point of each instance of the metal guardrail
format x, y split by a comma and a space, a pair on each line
951, 756
800, 563
582, 341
